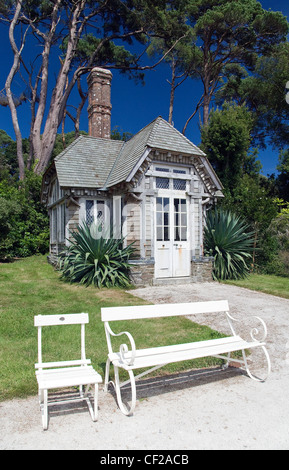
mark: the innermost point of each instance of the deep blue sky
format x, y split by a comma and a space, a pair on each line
135, 106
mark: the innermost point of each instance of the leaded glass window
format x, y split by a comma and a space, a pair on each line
89, 213
179, 185
162, 183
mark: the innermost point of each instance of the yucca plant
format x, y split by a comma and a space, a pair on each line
228, 238
95, 260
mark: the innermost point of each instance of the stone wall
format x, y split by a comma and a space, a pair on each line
201, 269
142, 272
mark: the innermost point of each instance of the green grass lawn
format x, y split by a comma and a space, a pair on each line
274, 285
31, 286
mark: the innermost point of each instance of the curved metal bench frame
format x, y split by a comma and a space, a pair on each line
130, 358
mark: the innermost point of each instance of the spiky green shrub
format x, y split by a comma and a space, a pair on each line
228, 239
98, 261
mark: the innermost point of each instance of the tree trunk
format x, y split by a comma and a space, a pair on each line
192, 115
207, 98
206, 78
172, 94
9, 95
206, 104
44, 146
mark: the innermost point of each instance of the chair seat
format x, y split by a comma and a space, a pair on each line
67, 377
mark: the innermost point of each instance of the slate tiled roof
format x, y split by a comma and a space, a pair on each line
129, 156
87, 162
164, 136
101, 163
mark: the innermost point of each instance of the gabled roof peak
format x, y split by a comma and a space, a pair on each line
165, 136
97, 162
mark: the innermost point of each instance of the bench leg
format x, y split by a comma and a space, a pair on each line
127, 411
268, 365
226, 365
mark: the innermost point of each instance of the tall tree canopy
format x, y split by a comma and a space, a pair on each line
226, 140
88, 33
201, 39
230, 32
223, 33
264, 93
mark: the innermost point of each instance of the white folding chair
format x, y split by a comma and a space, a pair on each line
65, 374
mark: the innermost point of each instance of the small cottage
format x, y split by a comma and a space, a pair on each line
154, 189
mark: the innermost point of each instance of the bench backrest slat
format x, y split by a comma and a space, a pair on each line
163, 310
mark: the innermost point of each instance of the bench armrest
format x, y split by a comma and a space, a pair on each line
254, 331
123, 347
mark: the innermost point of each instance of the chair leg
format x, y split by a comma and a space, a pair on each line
40, 397
44, 409
106, 379
84, 395
95, 414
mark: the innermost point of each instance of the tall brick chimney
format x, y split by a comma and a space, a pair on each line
99, 105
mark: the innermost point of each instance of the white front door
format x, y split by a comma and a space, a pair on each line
172, 256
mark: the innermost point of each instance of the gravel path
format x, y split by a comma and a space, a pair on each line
207, 409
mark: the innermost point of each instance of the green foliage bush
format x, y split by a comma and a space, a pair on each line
95, 260
279, 232
227, 238
24, 224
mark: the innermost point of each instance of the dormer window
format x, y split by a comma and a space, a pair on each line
171, 178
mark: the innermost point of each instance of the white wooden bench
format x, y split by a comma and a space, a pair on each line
64, 374
132, 358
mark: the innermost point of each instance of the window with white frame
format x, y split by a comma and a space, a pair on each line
62, 223
53, 227
171, 178
57, 224
57, 214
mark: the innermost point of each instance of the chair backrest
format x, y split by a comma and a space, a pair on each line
69, 319
163, 310
66, 319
